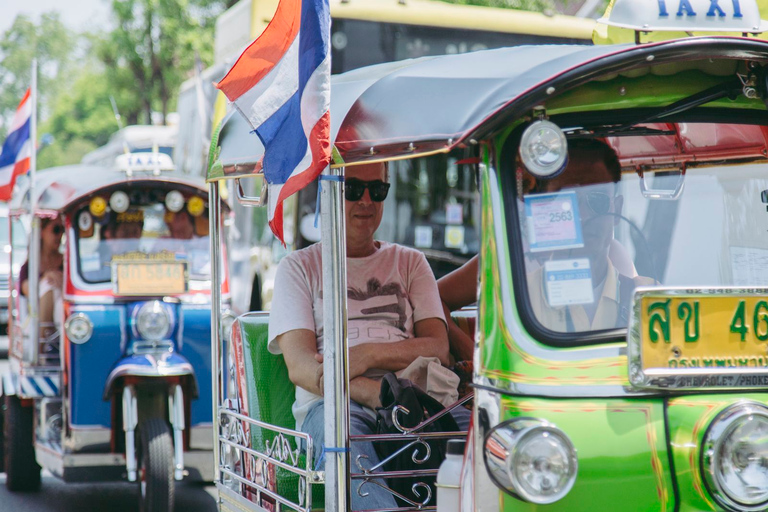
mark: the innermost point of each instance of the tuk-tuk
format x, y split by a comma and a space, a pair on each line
110, 361
622, 310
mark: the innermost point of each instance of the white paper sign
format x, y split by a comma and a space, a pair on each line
553, 221
423, 236
568, 282
749, 266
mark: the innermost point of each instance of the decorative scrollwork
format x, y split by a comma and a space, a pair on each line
414, 488
417, 443
281, 450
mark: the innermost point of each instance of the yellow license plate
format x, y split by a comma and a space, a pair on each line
717, 332
150, 278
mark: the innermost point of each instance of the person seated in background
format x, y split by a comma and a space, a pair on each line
180, 225
457, 290
51, 275
394, 317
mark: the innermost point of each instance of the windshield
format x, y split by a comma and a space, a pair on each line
146, 232
593, 234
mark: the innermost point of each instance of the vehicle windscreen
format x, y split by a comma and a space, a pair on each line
681, 205
144, 232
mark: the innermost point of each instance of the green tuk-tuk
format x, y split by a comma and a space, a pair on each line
621, 326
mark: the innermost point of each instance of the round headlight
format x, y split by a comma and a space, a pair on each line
174, 201
79, 328
544, 149
153, 321
119, 201
735, 457
531, 459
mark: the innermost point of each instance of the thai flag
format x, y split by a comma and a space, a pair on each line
16, 154
282, 85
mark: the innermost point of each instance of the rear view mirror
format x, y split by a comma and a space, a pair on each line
667, 185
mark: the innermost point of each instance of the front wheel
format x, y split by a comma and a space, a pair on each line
22, 471
156, 485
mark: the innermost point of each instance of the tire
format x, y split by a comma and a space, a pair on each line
156, 484
21, 468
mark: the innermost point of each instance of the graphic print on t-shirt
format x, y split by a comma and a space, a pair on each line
377, 313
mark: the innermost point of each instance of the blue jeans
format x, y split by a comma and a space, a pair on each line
362, 423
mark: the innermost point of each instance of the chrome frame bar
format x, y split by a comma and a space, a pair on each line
130, 420
176, 412
214, 222
336, 367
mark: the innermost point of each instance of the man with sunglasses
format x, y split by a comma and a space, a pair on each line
394, 316
593, 172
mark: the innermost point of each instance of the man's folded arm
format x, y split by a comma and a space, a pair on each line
299, 348
431, 341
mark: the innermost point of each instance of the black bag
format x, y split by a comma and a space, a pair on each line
421, 406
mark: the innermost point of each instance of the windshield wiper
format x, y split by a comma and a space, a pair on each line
730, 89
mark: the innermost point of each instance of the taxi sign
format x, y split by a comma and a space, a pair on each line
686, 16
710, 338
145, 161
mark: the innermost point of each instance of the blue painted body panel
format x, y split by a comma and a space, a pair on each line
90, 364
196, 348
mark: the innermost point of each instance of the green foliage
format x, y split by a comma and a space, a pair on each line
55, 48
154, 43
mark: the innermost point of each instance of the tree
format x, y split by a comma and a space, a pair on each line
153, 44
55, 48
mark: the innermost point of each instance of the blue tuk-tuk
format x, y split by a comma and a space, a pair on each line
110, 361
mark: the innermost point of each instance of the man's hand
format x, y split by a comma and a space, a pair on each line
365, 392
358, 360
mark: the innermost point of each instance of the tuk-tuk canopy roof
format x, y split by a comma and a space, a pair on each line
433, 104
59, 187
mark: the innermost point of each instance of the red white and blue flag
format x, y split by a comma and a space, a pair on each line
282, 85
16, 155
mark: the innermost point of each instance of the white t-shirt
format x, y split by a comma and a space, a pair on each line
387, 293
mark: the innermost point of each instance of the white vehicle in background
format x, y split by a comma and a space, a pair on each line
134, 139
19, 243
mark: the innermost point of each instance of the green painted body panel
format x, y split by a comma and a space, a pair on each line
689, 417
622, 453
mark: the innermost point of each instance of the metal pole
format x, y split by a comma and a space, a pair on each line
336, 368
214, 215
33, 296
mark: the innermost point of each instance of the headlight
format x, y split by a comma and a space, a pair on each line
79, 328
544, 149
735, 457
531, 459
154, 321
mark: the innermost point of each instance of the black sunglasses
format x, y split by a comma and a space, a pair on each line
354, 189
58, 229
598, 202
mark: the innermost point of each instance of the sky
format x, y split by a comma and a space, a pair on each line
77, 14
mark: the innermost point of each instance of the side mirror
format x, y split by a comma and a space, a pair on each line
308, 230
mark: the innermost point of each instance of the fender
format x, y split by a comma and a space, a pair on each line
167, 364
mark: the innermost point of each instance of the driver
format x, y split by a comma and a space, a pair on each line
593, 172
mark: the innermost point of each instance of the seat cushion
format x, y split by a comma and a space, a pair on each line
270, 396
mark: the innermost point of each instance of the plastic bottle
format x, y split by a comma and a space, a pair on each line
449, 477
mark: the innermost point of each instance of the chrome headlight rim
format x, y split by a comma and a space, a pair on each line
717, 433
511, 433
152, 307
71, 323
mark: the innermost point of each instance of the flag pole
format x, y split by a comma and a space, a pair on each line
34, 253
